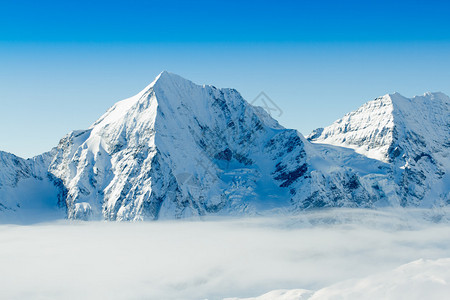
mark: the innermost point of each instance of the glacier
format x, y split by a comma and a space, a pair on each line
179, 150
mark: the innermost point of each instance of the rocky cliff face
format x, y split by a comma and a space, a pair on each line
178, 149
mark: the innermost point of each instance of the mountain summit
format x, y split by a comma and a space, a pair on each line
165, 152
177, 149
376, 127
411, 134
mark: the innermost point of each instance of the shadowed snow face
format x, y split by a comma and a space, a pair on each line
214, 258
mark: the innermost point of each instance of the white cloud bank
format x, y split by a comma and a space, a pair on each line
218, 258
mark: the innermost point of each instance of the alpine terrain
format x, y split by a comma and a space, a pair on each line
178, 149
411, 135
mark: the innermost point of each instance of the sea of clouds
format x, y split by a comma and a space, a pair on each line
214, 258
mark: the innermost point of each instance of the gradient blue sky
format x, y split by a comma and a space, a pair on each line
63, 63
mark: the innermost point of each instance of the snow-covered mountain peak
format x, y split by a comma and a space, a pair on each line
374, 127
168, 78
169, 94
167, 82
411, 134
144, 148
165, 78
365, 130
178, 149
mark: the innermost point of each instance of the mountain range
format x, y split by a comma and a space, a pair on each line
178, 150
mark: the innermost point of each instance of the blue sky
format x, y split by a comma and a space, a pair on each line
62, 64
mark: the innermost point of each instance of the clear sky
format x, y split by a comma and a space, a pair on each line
63, 63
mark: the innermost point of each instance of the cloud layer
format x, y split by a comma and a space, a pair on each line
213, 258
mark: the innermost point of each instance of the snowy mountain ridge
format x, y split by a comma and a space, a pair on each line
177, 149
